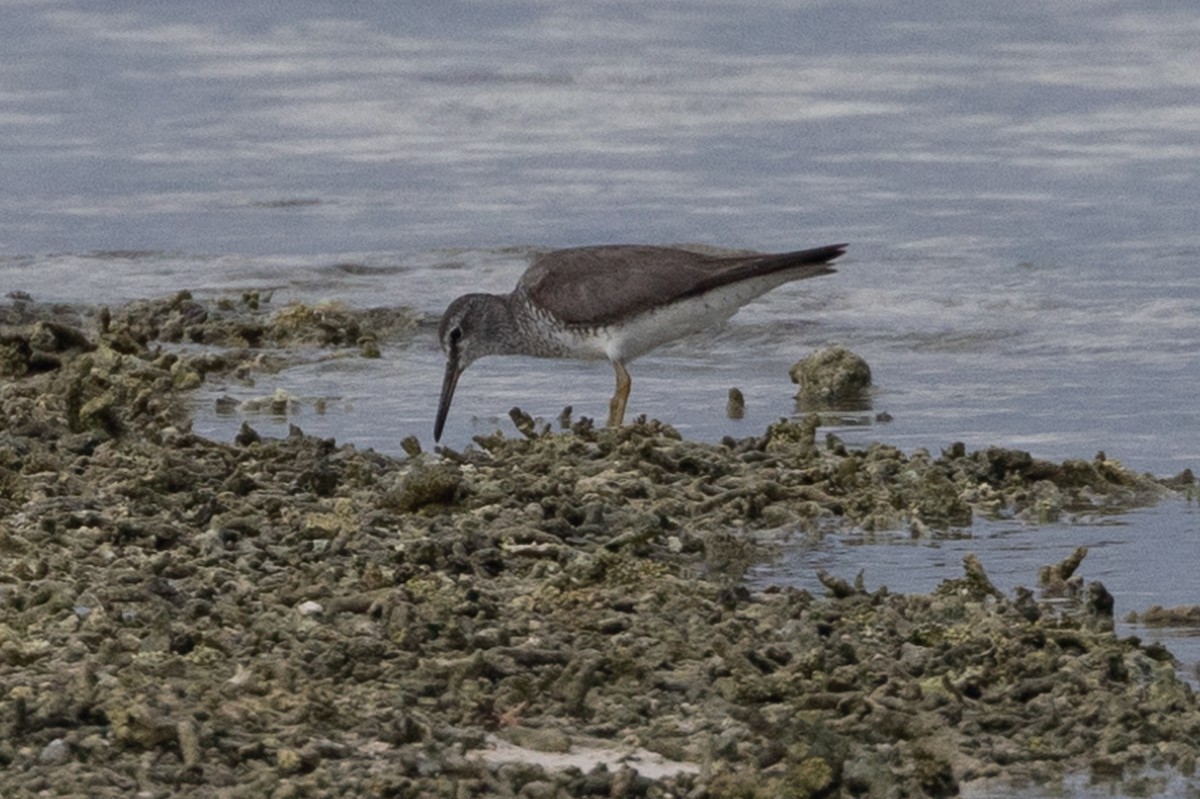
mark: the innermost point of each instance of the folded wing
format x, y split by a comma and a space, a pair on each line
598, 285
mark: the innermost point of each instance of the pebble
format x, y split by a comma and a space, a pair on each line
54, 753
310, 608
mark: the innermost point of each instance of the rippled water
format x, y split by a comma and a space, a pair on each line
1017, 181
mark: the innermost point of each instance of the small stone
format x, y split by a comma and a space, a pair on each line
537, 738
538, 789
55, 753
368, 347
280, 402
289, 761
184, 379
735, 407
189, 742
246, 436
914, 658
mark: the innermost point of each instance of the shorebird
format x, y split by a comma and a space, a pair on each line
613, 302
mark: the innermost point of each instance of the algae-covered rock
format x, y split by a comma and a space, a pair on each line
250, 321
1158, 616
735, 406
426, 483
833, 378
39, 347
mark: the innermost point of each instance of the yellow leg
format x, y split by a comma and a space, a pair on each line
616, 408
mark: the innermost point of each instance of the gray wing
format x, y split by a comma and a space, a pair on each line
596, 285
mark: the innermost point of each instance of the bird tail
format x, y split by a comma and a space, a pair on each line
817, 255
787, 265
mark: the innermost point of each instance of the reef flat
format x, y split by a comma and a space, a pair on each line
293, 617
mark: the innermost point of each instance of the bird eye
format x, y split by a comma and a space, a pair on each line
455, 335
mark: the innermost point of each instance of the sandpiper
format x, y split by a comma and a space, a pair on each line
612, 302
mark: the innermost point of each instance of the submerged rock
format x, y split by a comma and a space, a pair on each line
1158, 616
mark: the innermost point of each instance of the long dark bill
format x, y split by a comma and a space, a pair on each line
448, 383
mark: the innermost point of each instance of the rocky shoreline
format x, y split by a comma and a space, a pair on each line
293, 617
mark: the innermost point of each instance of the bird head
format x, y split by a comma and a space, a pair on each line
473, 326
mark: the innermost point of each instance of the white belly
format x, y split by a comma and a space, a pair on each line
654, 328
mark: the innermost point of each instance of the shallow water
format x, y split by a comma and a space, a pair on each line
1017, 184
1143, 557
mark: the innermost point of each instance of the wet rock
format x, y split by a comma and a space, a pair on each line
525, 424
1158, 616
1099, 604
735, 408
17, 360
832, 378
38, 347
246, 436
974, 584
838, 587
48, 336
1055, 579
